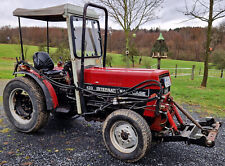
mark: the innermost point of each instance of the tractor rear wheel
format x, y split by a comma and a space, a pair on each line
126, 135
24, 105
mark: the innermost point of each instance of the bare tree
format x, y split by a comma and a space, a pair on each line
207, 11
131, 14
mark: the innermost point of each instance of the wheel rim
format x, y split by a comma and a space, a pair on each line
124, 136
21, 106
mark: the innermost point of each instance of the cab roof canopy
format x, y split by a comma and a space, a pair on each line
56, 13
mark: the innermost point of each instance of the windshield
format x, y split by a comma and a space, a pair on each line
92, 37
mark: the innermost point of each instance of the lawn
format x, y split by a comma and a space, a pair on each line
165, 63
8, 54
211, 99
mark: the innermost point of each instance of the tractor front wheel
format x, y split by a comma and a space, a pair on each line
24, 105
126, 135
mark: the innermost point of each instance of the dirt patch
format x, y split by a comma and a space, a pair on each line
7, 58
3, 83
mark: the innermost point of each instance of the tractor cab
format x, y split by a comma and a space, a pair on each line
87, 66
85, 42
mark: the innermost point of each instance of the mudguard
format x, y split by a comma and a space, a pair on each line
48, 90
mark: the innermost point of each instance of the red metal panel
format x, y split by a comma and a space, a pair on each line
150, 111
171, 121
156, 124
120, 77
50, 89
52, 93
180, 120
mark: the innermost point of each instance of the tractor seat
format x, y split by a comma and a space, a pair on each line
42, 61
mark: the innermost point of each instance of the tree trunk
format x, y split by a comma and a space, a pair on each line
127, 39
208, 42
127, 46
132, 60
140, 59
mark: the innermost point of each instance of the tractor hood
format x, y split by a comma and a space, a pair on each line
121, 77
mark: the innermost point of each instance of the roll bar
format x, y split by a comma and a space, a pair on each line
83, 38
81, 83
21, 38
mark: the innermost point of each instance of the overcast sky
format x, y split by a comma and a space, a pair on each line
169, 17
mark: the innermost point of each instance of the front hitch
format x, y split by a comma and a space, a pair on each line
211, 132
200, 133
191, 134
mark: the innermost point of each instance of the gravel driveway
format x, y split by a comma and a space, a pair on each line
77, 142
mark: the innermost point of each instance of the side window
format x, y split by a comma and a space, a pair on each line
93, 46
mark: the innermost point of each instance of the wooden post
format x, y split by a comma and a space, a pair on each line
221, 76
193, 72
176, 71
158, 65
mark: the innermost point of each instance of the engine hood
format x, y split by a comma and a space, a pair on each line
121, 77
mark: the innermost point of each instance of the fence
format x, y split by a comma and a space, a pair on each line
192, 72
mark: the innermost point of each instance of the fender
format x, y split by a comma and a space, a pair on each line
49, 92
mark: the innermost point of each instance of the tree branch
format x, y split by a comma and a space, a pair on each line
218, 14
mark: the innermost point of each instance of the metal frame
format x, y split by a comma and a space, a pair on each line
78, 71
78, 77
84, 30
73, 37
83, 46
21, 37
47, 38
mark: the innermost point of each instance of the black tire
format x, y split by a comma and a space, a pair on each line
128, 126
24, 105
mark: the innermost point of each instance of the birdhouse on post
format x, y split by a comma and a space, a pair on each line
159, 49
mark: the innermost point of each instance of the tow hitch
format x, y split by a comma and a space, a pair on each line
200, 133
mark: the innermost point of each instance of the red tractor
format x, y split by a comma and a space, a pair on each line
134, 104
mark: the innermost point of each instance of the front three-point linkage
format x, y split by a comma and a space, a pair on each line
201, 133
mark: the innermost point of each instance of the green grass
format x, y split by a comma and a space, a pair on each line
165, 63
10, 51
210, 99
8, 54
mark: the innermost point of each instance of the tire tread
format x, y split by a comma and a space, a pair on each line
41, 105
146, 132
